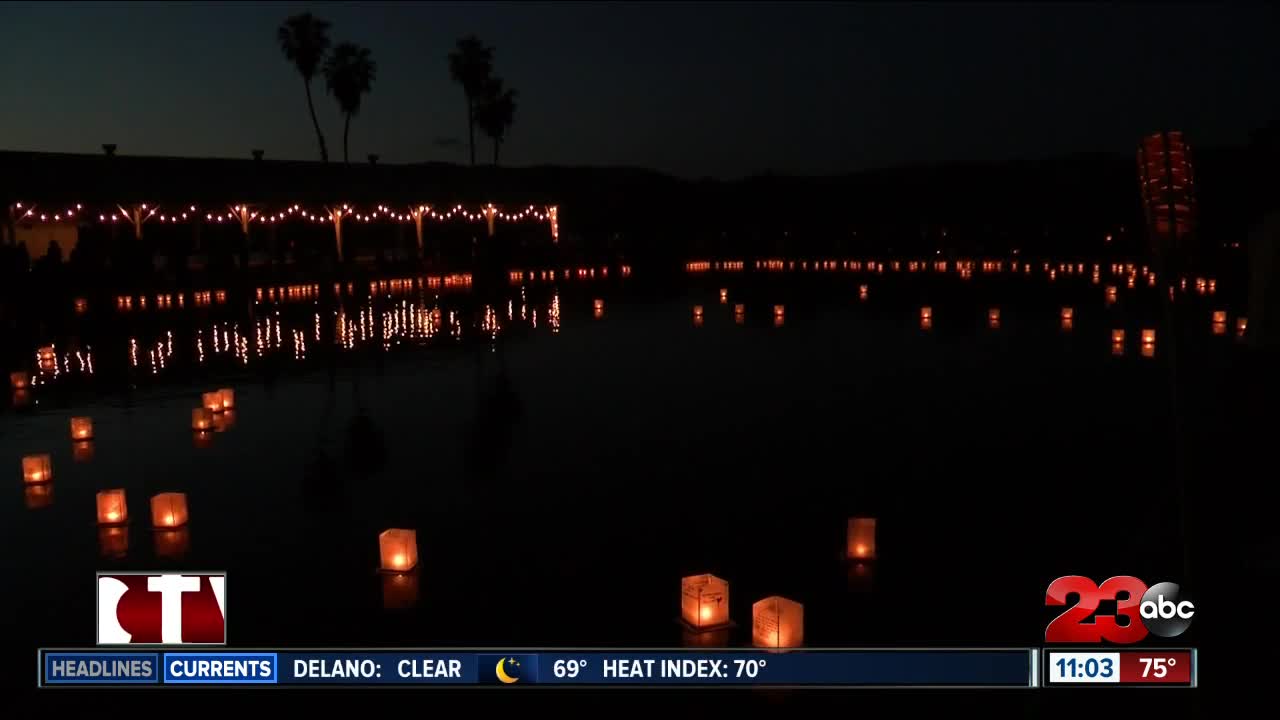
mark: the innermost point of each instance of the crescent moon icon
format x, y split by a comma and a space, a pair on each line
502, 673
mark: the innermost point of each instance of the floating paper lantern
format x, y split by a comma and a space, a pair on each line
779, 310
724, 295
113, 541
172, 544
37, 469
169, 510
1242, 324
1219, 328
1117, 336
224, 421
228, 398
399, 590
82, 451
926, 313
993, 318
704, 601
697, 314
598, 308
19, 380
862, 538
112, 508
212, 401
81, 428
37, 497
777, 622
398, 549
201, 418
1219, 316
862, 292
1148, 337
81, 305
1068, 313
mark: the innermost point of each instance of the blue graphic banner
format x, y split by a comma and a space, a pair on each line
993, 668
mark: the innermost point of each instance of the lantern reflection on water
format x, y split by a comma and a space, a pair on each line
399, 590
37, 469
212, 401
38, 496
112, 508
172, 544
777, 622
398, 549
717, 638
113, 541
704, 601
19, 380
861, 538
169, 510
201, 419
82, 451
81, 428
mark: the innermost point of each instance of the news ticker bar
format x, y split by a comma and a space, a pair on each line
917, 668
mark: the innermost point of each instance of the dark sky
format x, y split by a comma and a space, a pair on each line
716, 89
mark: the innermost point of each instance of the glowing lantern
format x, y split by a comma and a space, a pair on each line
172, 544
993, 318
37, 469
1068, 313
38, 496
724, 295
112, 508
19, 380
862, 538
1213, 286
704, 601
777, 622
1242, 324
169, 510
82, 451
1117, 337
598, 311
926, 313
862, 292
399, 549
81, 305
1219, 316
697, 312
779, 311
201, 418
1148, 337
212, 402
399, 590
113, 541
81, 428
223, 421
48, 361
228, 398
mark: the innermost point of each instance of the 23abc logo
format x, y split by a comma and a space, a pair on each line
1161, 609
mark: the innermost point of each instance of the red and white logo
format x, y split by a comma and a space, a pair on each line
162, 609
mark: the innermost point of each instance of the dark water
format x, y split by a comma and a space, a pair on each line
563, 478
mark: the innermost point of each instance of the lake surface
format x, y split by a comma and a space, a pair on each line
568, 450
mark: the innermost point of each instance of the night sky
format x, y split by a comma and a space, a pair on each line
718, 89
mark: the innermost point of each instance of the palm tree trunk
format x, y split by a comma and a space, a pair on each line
471, 130
324, 151
346, 131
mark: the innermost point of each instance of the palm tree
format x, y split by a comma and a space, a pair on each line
304, 39
495, 113
470, 65
350, 72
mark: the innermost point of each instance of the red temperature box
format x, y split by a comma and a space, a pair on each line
1141, 667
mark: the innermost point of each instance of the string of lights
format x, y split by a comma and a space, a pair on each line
245, 214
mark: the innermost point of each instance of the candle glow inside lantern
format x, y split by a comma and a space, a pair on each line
169, 510
212, 401
37, 469
81, 428
1242, 324
862, 292
1148, 337
1220, 316
598, 308
201, 419
777, 622
1068, 313
1117, 336
112, 508
19, 380
862, 538
227, 396
779, 311
724, 295
398, 549
704, 601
